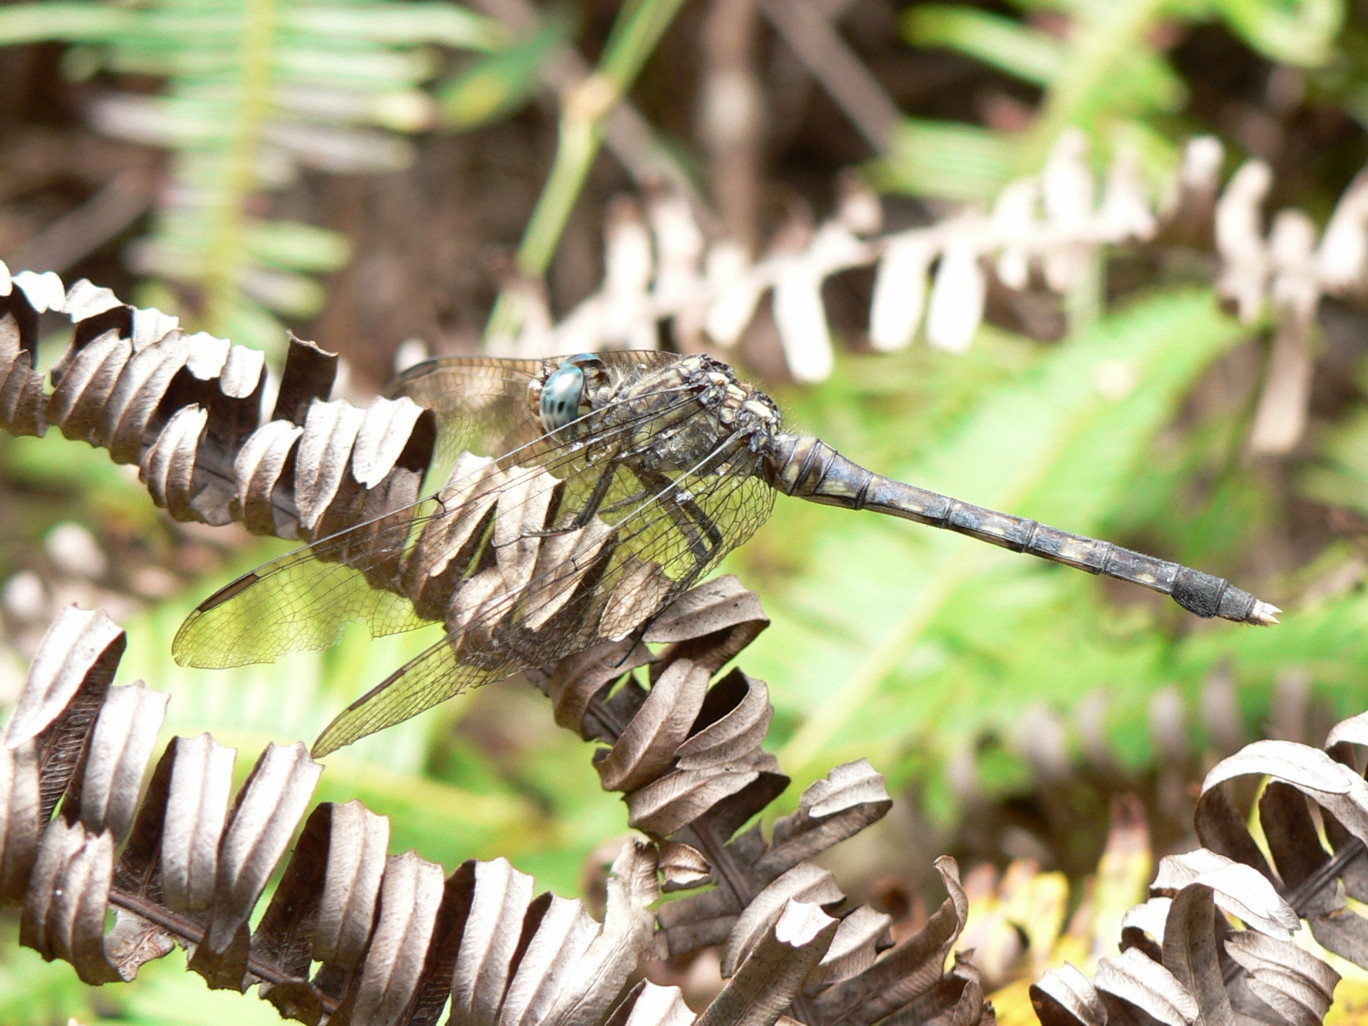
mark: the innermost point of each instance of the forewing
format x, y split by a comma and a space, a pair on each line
654, 535
480, 402
563, 540
301, 601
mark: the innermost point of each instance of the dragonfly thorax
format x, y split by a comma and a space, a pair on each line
688, 415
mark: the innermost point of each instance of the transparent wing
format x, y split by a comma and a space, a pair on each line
665, 538
302, 600
565, 539
481, 401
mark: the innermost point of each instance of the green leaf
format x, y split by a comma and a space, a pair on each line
1300, 32
1113, 70
498, 84
245, 95
954, 161
443, 23
1004, 43
34, 991
297, 246
75, 22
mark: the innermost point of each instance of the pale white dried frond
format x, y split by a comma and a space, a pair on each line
1015, 214
628, 262
858, 207
1281, 416
1044, 231
679, 248
801, 319
1190, 197
833, 244
1067, 194
799, 313
957, 298
1240, 239
537, 318
734, 292
1125, 212
900, 293
624, 313
1292, 244
1342, 261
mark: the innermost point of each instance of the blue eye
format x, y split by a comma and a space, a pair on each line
561, 395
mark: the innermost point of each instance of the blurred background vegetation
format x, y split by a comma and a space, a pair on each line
365, 173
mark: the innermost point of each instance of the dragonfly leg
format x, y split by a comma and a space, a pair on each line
692, 520
587, 511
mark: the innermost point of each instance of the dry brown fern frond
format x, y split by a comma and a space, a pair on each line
391, 938
687, 757
186, 408
352, 934
1214, 942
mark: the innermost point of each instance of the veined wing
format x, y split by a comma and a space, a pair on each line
481, 401
599, 582
302, 600
299, 602
559, 542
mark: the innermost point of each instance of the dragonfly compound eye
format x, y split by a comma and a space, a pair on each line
560, 396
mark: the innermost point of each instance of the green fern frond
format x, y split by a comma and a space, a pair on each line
1340, 477
1104, 72
497, 84
252, 93
948, 160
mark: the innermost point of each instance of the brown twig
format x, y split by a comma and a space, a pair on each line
729, 117
808, 32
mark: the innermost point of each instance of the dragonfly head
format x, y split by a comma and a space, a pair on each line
557, 400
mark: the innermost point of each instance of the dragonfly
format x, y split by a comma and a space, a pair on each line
586, 493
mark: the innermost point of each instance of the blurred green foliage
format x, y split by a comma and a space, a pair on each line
248, 97
498, 83
1099, 65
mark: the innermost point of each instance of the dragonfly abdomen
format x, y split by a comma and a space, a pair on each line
810, 469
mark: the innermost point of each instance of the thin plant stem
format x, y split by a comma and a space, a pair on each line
584, 111
227, 221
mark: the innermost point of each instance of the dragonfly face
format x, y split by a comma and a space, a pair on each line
556, 400
590, 491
